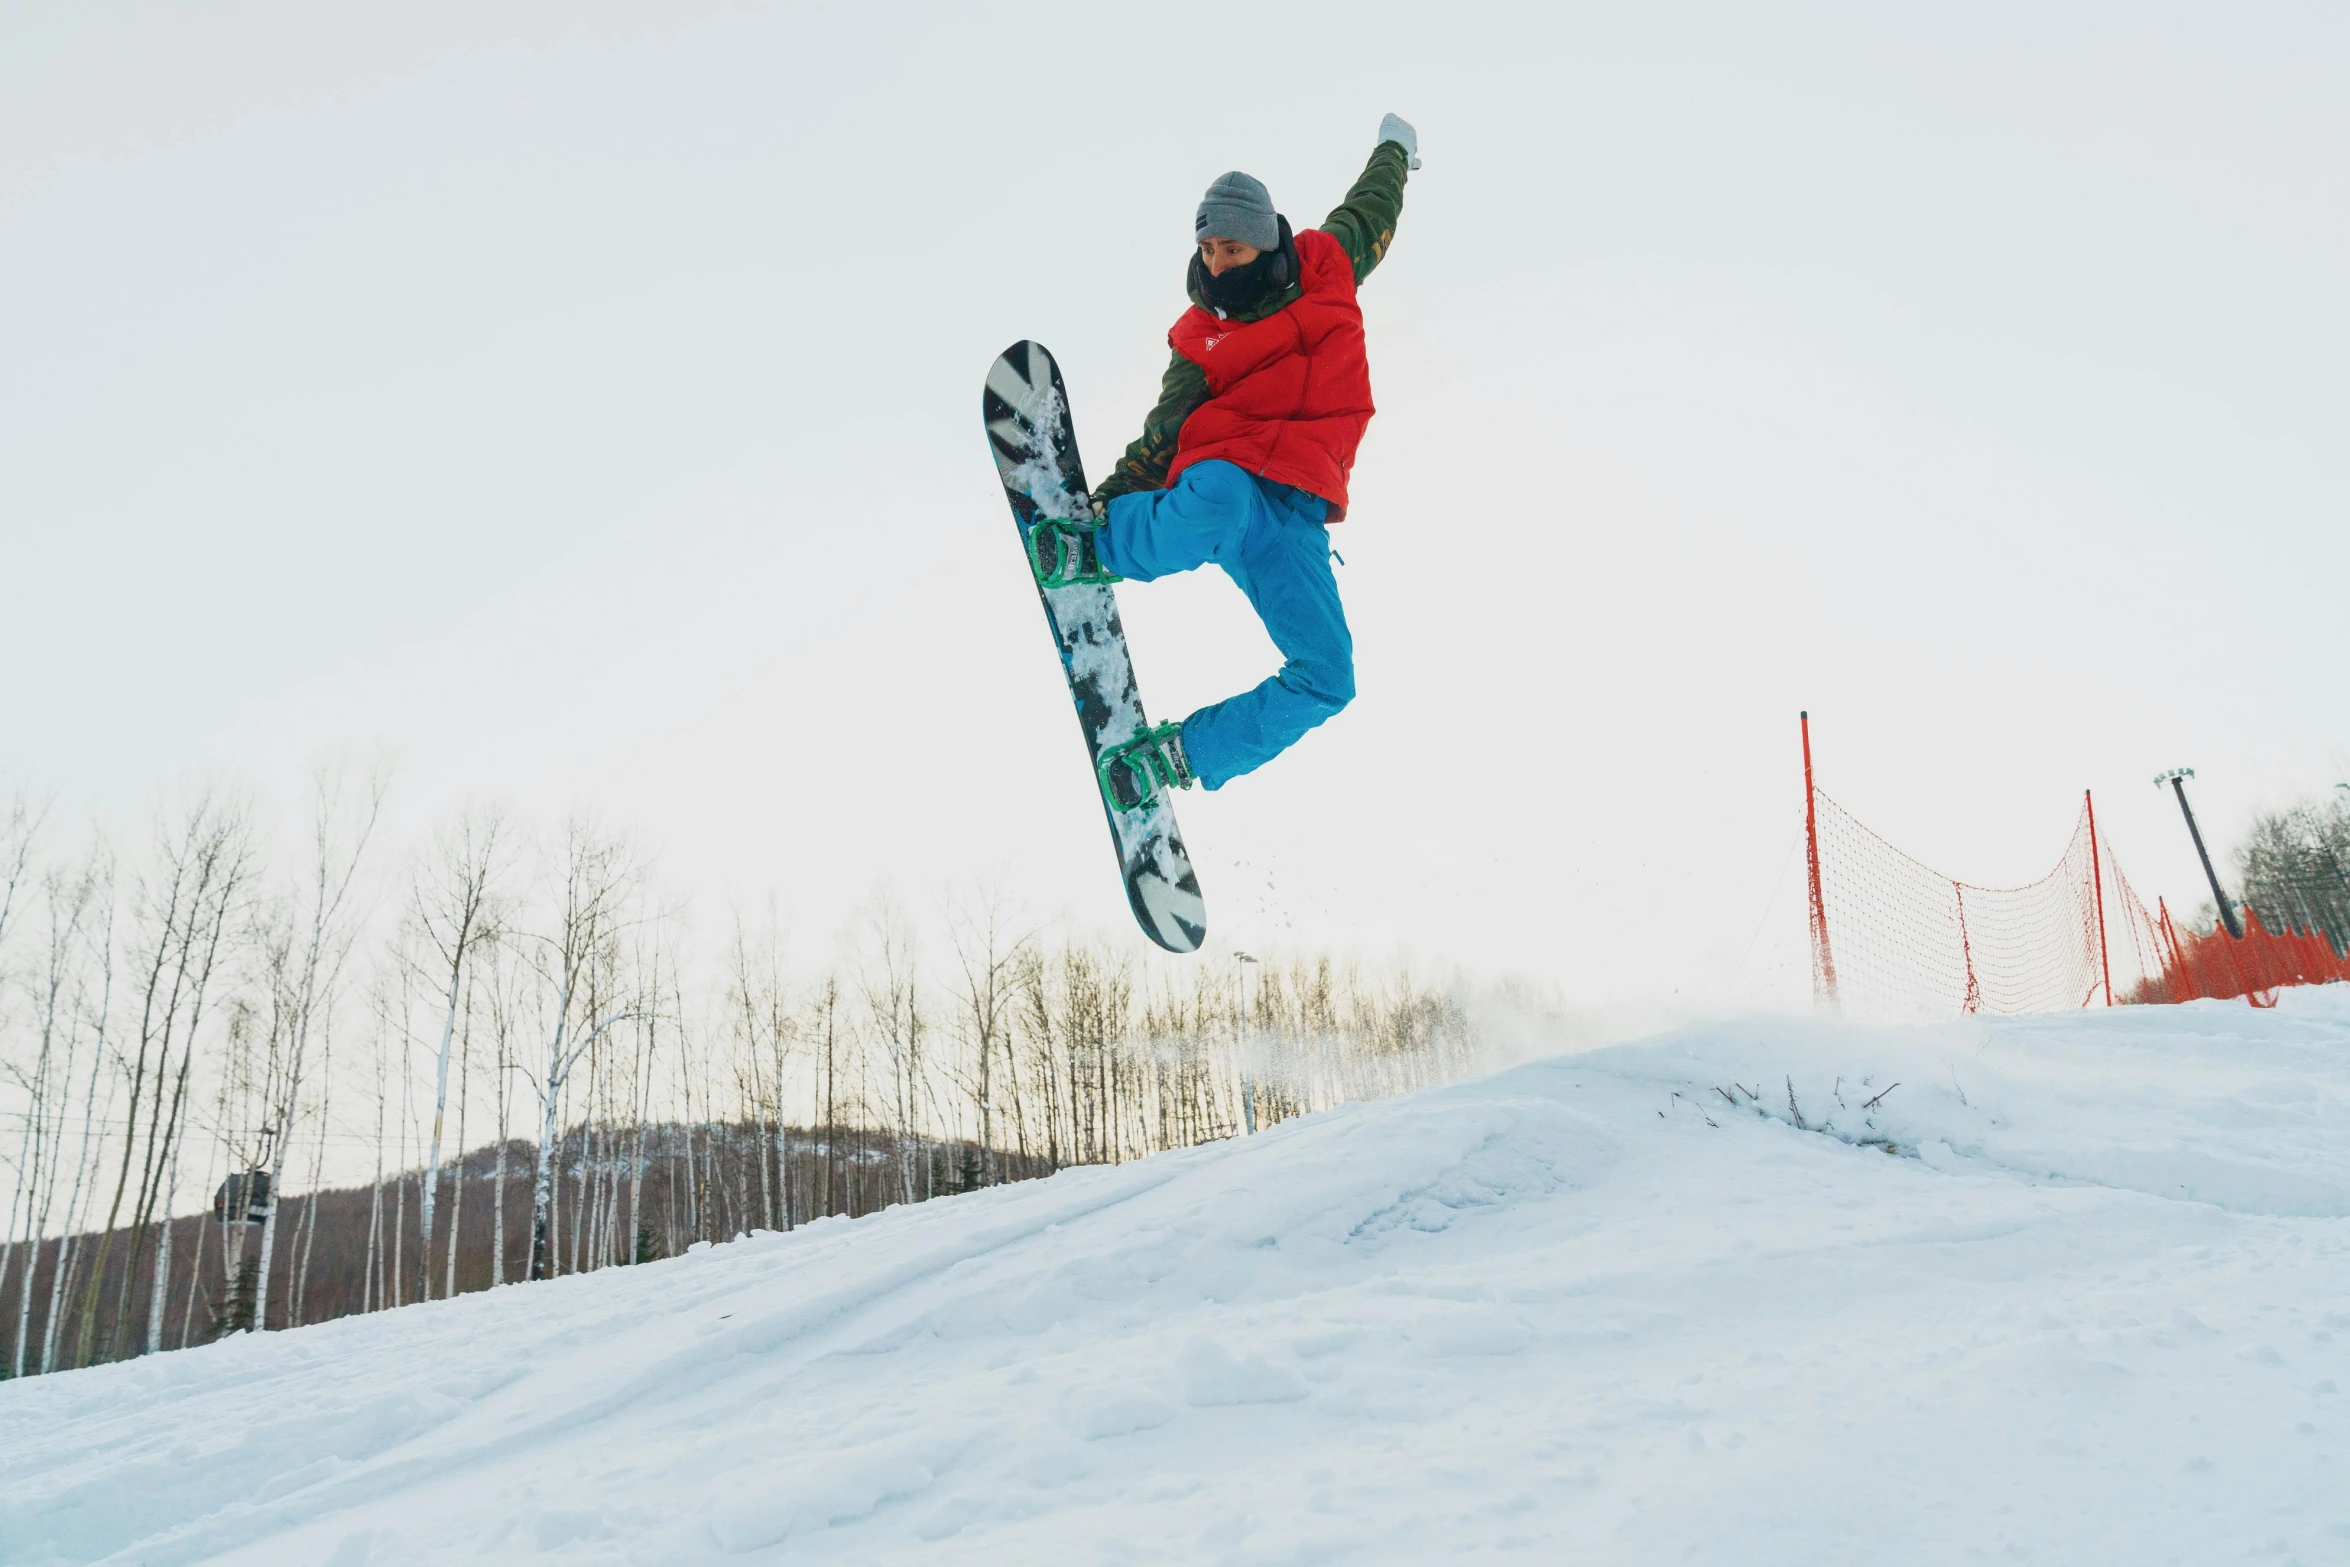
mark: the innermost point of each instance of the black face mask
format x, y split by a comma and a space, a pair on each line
1245, 287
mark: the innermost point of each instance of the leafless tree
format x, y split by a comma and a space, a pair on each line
183, 915
758, 1003
454, 907
2294, 867
509, 996
88, 1146
74, 903
889, 986
991, 944
595, 878
346, 803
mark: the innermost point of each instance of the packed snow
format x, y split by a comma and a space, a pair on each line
2076, 1290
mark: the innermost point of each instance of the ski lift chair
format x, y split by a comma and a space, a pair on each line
243, 1199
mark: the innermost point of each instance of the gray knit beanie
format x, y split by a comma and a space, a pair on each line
1239, 207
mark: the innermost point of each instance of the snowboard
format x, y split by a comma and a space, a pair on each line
1026, 410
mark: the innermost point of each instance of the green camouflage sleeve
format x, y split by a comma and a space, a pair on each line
1143, 465
1365, 222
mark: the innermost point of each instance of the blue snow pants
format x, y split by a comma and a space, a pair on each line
1270, 540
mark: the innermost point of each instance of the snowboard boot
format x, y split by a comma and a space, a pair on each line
1132, 774
1062, 554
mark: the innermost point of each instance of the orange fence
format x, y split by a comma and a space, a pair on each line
2255, 966
1891, 937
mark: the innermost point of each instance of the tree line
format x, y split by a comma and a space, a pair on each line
2294, 868
502, 1055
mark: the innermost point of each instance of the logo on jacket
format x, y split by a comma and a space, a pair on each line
1211, 342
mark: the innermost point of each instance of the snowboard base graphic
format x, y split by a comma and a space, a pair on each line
1026, 410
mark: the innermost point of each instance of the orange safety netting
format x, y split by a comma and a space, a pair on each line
1891, 937
2255, 965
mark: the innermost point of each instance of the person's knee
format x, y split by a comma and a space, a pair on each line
1328, 681
1338, 685
1215, 475
1219, 486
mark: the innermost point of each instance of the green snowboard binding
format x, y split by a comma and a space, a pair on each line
1062, 554
1134, 773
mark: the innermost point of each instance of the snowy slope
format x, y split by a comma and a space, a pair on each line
2093, 1307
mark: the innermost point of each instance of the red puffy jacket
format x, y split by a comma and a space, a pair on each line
1289, 396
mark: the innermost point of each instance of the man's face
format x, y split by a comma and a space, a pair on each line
1220, 256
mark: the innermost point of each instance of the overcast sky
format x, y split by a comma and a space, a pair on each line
582, 402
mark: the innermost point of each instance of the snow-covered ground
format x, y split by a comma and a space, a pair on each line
2089, 1303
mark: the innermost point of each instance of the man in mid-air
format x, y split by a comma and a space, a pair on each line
1244, 462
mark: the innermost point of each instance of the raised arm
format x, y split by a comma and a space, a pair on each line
1365, 222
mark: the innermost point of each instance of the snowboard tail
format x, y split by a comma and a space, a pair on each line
1026, 410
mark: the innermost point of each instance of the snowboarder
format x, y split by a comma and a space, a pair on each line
1244, 462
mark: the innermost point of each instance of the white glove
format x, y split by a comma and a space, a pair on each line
1399, 131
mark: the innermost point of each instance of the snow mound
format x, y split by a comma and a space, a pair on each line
2065, 1289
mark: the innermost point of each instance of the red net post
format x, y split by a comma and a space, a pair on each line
2176, 970
1823, 957
2097, 876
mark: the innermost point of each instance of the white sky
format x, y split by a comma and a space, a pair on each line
583, 402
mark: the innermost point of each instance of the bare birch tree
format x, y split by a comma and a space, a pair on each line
183, 916
72, 904
889, 986
990, 946
595, 879
454, 908
346, 803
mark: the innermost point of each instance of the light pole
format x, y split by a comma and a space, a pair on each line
1248, 1089
2177, 779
